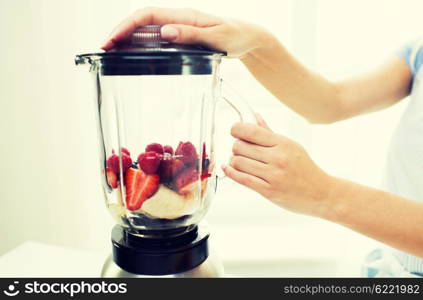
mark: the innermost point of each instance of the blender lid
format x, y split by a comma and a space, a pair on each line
146, 43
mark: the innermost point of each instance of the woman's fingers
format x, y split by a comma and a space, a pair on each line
254, 134
248, 180
127, 26
249, 150
249, 166
158, 16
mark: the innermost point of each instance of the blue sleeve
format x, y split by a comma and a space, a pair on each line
406, 53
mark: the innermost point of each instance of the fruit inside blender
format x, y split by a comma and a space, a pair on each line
160, 183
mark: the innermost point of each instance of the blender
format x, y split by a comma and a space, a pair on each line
156, 113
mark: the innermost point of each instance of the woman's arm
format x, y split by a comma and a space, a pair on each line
391, 219
320, 100
280, 170
312, 96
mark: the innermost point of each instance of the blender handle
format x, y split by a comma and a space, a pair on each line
240, 105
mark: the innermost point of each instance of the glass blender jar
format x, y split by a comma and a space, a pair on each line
156, 104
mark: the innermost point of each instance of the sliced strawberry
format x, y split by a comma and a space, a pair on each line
170, 168
168, 149
112, 178
149, 162
186, 181
133, 180
155, 147
149, 187
187, 153
139, 187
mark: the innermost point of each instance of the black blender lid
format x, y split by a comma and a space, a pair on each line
146, 43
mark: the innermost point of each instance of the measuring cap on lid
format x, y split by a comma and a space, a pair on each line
148, 36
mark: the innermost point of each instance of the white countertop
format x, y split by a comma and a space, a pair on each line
33, 259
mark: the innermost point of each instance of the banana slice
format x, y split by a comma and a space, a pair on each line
167, 204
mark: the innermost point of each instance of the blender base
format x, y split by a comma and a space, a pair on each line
181, 255
211, 267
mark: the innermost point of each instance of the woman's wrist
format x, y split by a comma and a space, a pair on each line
263, 45
334, 206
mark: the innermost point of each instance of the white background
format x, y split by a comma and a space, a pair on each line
50, 188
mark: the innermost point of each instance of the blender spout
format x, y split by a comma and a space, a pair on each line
80, 60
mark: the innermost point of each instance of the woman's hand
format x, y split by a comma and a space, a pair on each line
279, 169
187, 26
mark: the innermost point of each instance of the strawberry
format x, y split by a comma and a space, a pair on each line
126, 151
168, 149
113, 163
179, 145
155, 147
186, 181
149, 162
123, 150
139, 187
187, 153
170, 168
112, 178
126, 162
